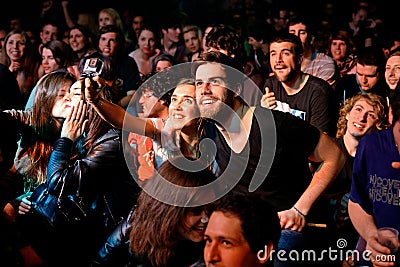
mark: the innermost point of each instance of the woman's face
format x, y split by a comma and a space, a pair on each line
338, 50
183, 108
147, 42
48, 61
75, 92
15, 47
77, 40
192, 41
63, 103
193, 225
105, 19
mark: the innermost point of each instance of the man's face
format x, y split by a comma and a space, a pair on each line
392, 71
300, 30
151, 104
211, 89
172, 34
225, 244
367, 76
48, 33
137, 24
361, 119
254, 43
283, 60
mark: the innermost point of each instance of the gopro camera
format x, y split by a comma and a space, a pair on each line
93, 67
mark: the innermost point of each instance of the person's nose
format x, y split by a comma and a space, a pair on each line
278, 58
206, 88
392, 72
364, 117
211, 253
141, 100
67, 97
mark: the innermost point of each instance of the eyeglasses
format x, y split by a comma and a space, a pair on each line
213, 82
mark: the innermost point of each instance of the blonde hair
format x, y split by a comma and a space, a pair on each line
377, 102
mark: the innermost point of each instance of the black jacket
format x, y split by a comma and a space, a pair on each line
107, 189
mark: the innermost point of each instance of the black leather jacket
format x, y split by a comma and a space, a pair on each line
107, 189
115, 251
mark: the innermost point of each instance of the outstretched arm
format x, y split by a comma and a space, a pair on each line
115, 114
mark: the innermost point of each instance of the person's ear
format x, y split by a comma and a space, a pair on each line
268, 252
238, 89
300, 59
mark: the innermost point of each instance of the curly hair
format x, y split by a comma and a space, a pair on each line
377, 102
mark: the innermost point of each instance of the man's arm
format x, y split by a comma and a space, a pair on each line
115, 114
332, 161
366, 227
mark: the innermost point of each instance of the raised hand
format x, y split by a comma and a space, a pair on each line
268, 100
75, 123
93, 86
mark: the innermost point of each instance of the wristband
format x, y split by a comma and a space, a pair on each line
299, 212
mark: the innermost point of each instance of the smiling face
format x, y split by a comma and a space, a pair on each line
392, 71
338, 50
211, 89
77, 40
283, 60
192, 227
108, 43
183, 107
361, 119
15, 47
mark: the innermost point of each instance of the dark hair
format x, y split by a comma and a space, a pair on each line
260, 32
47, 128
88, 39
372, 56
291, 38
226, 38
259, 220
162, 57
121, 40
158, 246
61, 51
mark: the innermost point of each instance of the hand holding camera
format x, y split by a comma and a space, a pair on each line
93, 83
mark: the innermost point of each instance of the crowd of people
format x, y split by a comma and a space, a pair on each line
260, 138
